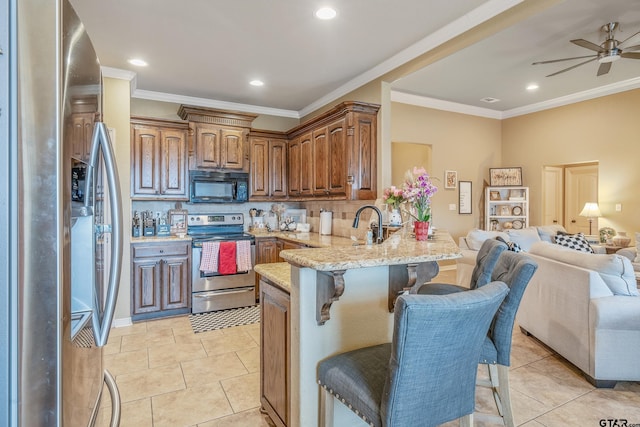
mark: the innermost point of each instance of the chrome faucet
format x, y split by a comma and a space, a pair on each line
356, 220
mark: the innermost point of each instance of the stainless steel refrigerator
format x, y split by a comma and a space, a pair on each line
61, 222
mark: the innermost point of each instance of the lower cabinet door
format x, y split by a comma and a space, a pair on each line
176, 291
275, 353
146, 291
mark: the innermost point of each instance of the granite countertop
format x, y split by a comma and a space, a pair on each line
398, 249
279, 273
312, 239
154, 239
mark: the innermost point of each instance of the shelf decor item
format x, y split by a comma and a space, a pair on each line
505, 177
418, 190
421, 229
393, 196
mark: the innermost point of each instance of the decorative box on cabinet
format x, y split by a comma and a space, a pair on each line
219, 139
333, 156
506, 207
158, 159
268, 158
160, 279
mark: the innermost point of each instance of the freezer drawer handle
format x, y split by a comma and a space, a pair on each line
115, 399
215, 293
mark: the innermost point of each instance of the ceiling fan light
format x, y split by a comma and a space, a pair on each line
611, 56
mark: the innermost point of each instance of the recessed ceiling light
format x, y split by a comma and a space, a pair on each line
138, 62
326, 13
532, 87
256, 83
490, 100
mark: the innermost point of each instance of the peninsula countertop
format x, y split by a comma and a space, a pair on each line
398, 249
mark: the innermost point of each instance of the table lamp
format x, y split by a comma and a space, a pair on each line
590, 210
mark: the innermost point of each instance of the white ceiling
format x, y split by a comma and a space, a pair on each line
206, 51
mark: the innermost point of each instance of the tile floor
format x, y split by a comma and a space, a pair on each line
169, 376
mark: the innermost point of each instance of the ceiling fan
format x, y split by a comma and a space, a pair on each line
609, 51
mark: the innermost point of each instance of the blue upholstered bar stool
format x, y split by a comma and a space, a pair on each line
426, 376
514, 269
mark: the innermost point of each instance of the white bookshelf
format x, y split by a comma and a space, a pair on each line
506, 207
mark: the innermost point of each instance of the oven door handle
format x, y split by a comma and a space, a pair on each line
222, 292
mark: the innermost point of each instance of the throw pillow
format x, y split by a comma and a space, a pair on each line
511, 246
476, 237
524, 238
637, 247
574, 241
548, 232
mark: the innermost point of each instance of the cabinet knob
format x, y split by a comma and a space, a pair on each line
573, 221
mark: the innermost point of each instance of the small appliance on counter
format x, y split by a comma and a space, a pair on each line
326, 217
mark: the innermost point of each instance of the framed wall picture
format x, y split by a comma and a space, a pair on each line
464, 197
450, 179
505, 177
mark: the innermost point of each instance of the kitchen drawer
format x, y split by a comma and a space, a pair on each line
159, 250
223, 299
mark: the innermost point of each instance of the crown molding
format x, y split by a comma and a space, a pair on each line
438, 104
117, 73
212, 103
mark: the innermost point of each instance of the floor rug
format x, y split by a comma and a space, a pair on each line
203, 322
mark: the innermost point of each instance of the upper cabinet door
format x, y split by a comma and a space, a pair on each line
294, 160
336, 164
232, 148
259, 177
145, 161
278, 167
173, 159
307, 164
321, 161
207, 146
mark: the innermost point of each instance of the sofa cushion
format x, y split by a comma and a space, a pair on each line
616, 271
524, 237
574, 241
548, 233
476, 237
637, 248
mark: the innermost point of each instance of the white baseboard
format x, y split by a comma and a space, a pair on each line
119, 323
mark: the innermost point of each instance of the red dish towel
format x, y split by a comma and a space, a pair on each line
227, 258
209, 260
243, 255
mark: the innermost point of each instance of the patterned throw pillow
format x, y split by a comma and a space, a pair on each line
574, 241
511, 246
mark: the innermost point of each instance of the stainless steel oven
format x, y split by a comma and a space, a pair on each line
211, 290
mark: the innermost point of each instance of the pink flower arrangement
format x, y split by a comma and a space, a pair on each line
393, 196
418, 190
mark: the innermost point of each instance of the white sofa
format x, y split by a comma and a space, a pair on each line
586, 308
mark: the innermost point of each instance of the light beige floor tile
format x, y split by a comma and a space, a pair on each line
174, 353
148, 339
113, 345
250, 418
191, 406
179, 322
255, 334
227, 343
123, 363
526, 349
190, 336
136, 414
136, 328
212, 369
533, 423
250, 359
243, 392
150, 382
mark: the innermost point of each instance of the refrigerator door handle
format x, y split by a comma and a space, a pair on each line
115, 399
102, 142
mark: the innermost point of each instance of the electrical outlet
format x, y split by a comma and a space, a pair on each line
618, 207
452, 207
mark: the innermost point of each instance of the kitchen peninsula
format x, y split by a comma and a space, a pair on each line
330, 300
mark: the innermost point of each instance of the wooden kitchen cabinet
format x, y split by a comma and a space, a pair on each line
267, 251
84, 111
219, 139
158, 159
268, 159
333, 156
275, 352
160, 279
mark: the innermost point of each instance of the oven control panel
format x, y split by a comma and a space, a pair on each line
195, 219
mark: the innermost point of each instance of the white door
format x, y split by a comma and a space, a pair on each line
552, 205
581, 186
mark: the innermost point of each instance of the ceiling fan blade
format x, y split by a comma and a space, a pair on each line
627, 39
630, 48
571, 68
563, 59
586, 44
631, 55
604, 68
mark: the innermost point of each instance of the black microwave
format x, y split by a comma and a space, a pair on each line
218, 187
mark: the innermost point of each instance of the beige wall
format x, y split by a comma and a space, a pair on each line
116, 116
467, 144
603, 130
